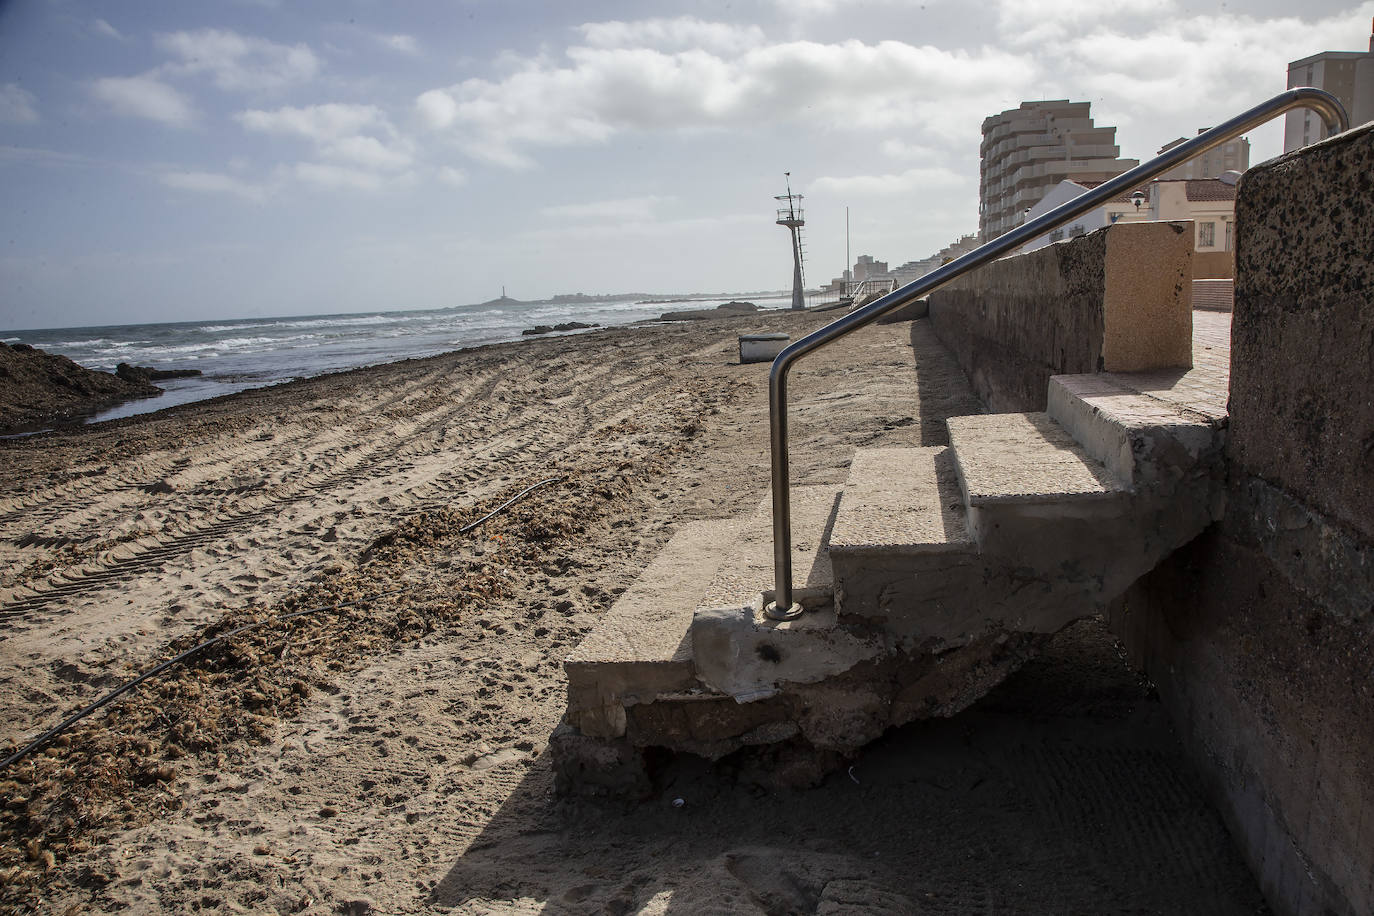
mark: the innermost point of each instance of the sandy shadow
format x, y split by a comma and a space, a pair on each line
1061, 791
942, 388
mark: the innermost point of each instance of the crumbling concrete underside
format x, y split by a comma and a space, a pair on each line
928, 578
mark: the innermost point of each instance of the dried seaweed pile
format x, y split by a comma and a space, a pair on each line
121, 768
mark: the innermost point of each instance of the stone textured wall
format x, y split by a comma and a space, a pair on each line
1302, 338
1117, 299
1260, 634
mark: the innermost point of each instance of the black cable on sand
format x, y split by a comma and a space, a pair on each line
110, 697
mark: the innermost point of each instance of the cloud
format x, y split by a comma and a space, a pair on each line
1177, 68
625, 208
682, 33
237, 62
404, 44
101, 27
17, 105
144, 97
345, 133
899, 149
454, 178
1037, 22
912, 181
333, 177
604, 89
320, 123
437, 108
214, 183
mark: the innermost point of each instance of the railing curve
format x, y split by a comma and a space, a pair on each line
782, 607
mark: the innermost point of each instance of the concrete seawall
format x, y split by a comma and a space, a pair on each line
1118, 300
1259, 633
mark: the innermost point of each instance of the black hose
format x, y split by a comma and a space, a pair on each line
501, 508
77, 716
158, 669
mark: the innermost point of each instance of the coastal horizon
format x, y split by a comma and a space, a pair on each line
240, 354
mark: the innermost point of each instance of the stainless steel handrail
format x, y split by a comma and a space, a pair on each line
783, 607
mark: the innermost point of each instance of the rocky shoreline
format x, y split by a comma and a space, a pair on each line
39, 389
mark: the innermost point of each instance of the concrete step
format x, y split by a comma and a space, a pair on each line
1036, 499
1134, 435
901, 549
641, 651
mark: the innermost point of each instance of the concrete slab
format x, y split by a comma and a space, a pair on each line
743, 653
640, 648
1025, 458
902, 554
904, 500
1127, 430
747, 569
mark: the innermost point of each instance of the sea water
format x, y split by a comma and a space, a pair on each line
237, 354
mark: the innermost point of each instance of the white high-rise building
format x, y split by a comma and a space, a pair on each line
1030, 149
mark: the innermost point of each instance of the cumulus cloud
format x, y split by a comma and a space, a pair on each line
17, 105
321, 123
437, 108
625, 208
682, 33
213, 183
1032, 22
606, 88
237, 62
358, 136
144, 97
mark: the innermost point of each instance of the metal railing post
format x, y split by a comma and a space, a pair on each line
783, 607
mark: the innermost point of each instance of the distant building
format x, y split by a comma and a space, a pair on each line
1348, 75
1026, 151
1209, 202
865, 268
1231, 156
914, 270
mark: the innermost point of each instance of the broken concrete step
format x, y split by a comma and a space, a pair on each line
730, 622
1130, 432
640, 648
901, 550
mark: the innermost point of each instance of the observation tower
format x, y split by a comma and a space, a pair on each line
791, 215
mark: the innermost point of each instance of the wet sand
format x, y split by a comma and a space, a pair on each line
389, 755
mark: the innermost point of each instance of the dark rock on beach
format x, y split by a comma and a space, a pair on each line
550, 328
730, 309
39, 388
142, 374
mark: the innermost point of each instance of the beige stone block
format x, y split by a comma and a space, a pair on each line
1147, 307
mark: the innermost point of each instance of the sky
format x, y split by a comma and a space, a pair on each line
172, 161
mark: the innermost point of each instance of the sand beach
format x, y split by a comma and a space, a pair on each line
386, 752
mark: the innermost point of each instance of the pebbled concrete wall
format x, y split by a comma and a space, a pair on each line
1118, 299
1260, 634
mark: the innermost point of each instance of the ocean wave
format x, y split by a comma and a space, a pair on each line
221, 328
